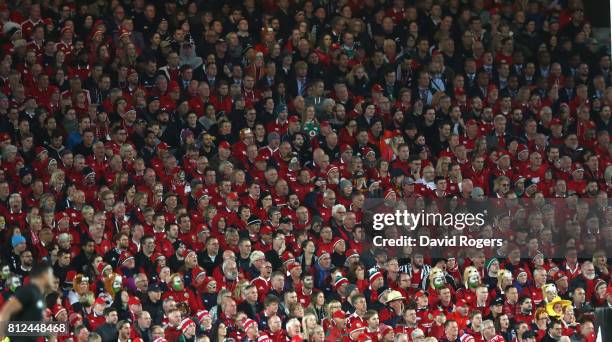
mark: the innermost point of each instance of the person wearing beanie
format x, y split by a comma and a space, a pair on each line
491, 267
18, 242
188, 330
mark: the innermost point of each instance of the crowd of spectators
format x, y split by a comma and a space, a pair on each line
197, 170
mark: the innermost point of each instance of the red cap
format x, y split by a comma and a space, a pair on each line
185, 324
4, 136
345, 147
462, 302
556, 121
266, 230
57, 309
173, 86
133, 301
232, 196
420, 294
324, 123
197, 272
65, 29
294, 118
202, 314
559, 275
100, 301
502, 154
124, 257
225, 145
459, 91
322, 252
124, 32
351, 253
471, 122
292, 266
356, 326
248, 324
339, 314
377, 88
388, 193
522, 148
163, 146
577, 167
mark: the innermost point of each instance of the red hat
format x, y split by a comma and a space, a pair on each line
197, 272
352, 253
287, 256
294, 118
133, 301
336, 241
436, 313
324, 123
65, 29
340, 281
4, 136
334, 46
436, 53
264, 338
202, 314
522, 148
292, 266
232, 196
39, 149
100, 301
345, 147
503, 154
385, 329
57, 309
339, 314
156, 256
74, 317
186, 252
162, 146
248, 324
330, 168
267, 229
377, 88
124, 257
225, 145
462, 302
124, 32
459, 91
356, 327
556, 121
322, 252
388, 192
375, 276
261, 158
559, 275
173, 86
577, 167
367, 150
185, 324
420, 294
